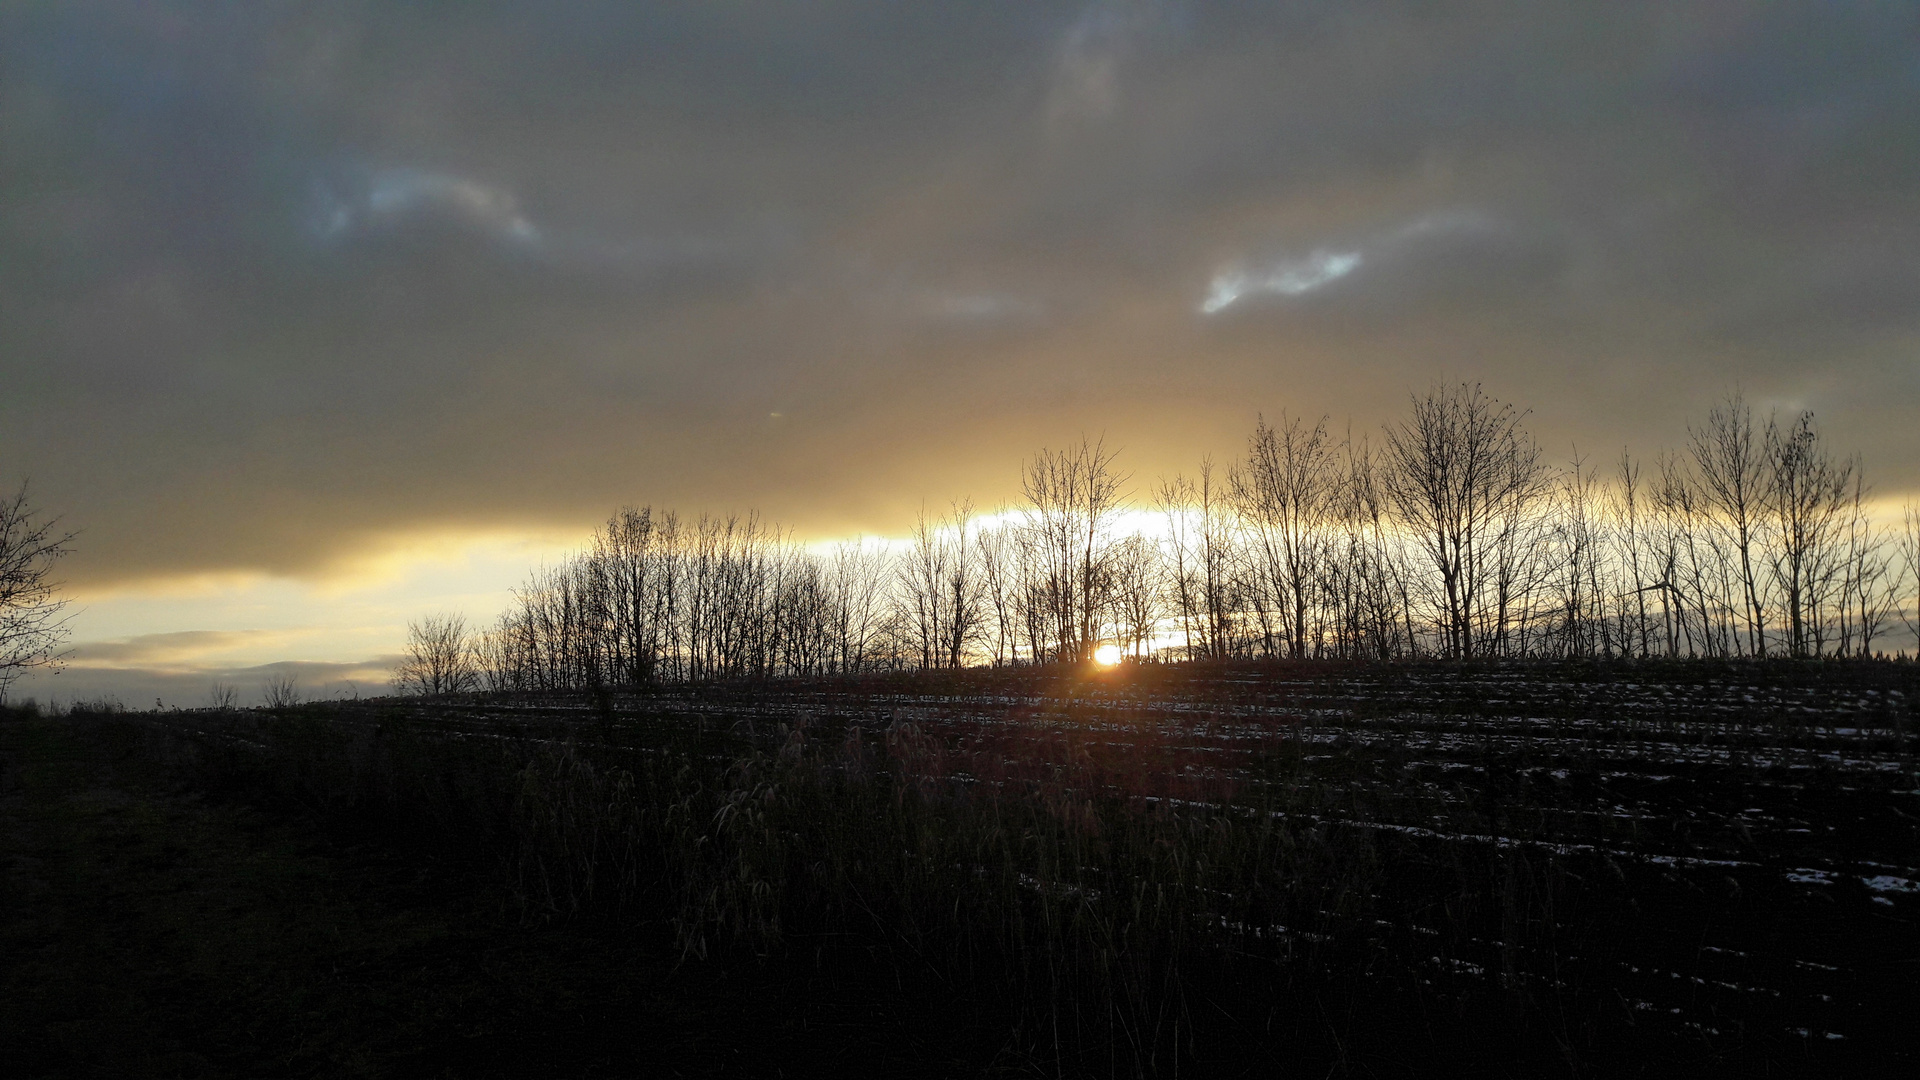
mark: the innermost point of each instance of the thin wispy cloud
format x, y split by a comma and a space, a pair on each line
1300, 275
1291, 277
1090, 64
386, 198
176, 649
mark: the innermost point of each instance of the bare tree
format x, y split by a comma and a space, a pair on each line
1203, 579
1634, 624
943, 592
1375, 599
282, 692
1732, 471
32, 627
439, 658
1908, 540
1696, 574
1806, 500
1135, 593
859, 578
1518, 551
965, 587
504, 653
1175, 500
1000, 570
630, 554
1285, 494
1461, 469
1073, 496
1580, 609
1221, 582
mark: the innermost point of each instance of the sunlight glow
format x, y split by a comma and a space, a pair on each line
173, 636
1108, 655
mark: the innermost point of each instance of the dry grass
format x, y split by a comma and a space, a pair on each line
1132, 899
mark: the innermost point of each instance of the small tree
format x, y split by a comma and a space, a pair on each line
439, 658
31, 625
281, 692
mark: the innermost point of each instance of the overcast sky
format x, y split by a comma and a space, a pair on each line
292, 290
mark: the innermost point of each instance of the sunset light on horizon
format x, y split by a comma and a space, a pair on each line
1075, 538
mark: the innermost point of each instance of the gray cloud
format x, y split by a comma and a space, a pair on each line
189, 647
137, 687
280, 280
1090, 61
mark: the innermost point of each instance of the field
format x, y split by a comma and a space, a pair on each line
1597, 869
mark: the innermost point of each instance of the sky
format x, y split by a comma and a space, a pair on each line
316, 317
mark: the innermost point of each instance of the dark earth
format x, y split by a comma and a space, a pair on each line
1743, 843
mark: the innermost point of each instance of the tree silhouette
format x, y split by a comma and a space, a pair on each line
439, 658
32, 623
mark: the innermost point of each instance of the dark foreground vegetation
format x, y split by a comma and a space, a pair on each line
1210, 869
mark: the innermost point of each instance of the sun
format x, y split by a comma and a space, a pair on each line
1107, 655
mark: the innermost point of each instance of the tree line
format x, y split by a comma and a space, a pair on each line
1447, 534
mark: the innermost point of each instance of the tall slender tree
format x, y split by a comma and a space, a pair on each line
1732, 471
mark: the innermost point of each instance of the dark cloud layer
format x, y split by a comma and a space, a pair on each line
278, 278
